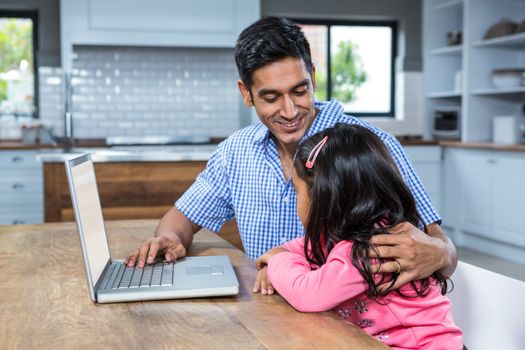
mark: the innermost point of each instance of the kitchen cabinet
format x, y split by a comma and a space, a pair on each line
129, 190
449, 190
427, 163
169, 23
476, 183
21, 189
509, 194
484, 205
459, 76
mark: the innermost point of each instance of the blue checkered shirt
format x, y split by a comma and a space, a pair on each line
244, 180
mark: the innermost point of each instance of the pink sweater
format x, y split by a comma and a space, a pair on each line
401, 323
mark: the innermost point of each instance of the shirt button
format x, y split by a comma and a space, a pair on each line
284, 240
286, 199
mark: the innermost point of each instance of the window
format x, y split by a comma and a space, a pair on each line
18, 81
354, 63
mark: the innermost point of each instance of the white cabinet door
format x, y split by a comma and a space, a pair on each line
509, 199
21, 188
427, 163
196, 16
450, 189
476, 182
171, 23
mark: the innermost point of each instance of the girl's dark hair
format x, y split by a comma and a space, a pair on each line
269, 40
354, 184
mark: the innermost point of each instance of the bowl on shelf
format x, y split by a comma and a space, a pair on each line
504, 27
507, 77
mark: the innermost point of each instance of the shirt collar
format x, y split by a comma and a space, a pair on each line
261, 134
328, 111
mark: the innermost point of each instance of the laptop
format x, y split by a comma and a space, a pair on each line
111, 281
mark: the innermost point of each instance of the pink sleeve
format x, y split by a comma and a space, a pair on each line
295, 246
318, 290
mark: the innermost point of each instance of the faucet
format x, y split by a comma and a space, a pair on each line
69, 140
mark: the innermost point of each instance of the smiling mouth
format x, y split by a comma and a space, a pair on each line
291, 126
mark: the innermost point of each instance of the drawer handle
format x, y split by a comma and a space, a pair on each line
18, 222
492, 161
17, 159
18, 186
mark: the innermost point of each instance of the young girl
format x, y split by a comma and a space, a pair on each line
349, 189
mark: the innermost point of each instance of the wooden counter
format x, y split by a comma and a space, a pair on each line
129, 190
45, 302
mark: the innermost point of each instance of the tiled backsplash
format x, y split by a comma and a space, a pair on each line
132, 91
51, 98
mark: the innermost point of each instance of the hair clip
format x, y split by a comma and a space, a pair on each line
314, 153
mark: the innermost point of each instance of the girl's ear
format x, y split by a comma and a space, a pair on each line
245, 92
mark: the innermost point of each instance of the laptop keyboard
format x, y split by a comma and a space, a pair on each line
122, 276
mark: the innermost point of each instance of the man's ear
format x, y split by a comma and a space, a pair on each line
245, 92
312, 75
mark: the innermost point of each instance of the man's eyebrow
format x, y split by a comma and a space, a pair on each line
301, 84
263, 92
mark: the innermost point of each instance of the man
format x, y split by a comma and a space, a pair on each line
248, 176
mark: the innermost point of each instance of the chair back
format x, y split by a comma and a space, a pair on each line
489, 308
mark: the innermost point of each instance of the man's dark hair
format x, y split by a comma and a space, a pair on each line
269, 40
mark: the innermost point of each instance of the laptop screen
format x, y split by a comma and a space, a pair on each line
89, 217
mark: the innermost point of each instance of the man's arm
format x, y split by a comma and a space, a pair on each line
419, 254
207, 202
172, 238
451, 254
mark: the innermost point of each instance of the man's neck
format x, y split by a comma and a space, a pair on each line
287, 151
286, 155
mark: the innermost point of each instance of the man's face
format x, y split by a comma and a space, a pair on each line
283, 97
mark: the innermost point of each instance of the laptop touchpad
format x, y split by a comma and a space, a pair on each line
205, 270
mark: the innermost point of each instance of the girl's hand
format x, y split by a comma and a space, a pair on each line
262, 283
262, 261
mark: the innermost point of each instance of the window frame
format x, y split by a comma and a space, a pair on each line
393, 55
33, 15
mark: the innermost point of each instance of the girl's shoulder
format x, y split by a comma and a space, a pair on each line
341, 249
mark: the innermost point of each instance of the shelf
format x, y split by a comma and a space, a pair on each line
493, 91
511, 41
447, 5
448, 50
444, 94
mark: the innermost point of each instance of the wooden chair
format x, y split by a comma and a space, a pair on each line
489, 308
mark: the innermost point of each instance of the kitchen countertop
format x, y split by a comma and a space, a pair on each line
19, 145
484, 145
83, 143
170, 153
162, 153
198, 152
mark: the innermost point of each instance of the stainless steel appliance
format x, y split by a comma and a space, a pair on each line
446, 123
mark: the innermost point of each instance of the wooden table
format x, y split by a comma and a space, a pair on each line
44, 302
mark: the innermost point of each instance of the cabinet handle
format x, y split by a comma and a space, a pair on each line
18, 222
17, 159
492, 161
18, 186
